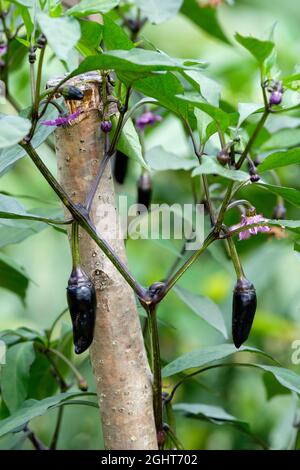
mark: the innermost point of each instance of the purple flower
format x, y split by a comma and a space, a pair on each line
147, 119
3, 48
62, 120
249, 220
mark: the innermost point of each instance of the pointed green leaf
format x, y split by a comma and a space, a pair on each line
245, 110
204, 356
289, 194
157, 11
12, 276
90, 7
13, 130
15, 374
210, 166
65, 28
205, 18
261, 50
214, 414
204, 307
114, 36
159, 159
129, 142
279, 159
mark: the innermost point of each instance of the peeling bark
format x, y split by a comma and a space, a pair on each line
121, 370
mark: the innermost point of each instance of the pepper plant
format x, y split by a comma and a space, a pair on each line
139, 87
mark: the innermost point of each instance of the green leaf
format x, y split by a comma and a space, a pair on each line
13, 129
114, 36
10, 209
33, 408
22, 334
284, 138
129, 142
218, 115
91, 36
42, 384
12, 276
289, 194
159, 159
205, 18
205, 356
210, 166
204, 307
203, 123
157, 11
10, 156
261, 50
89, 7
209, 89
62, 33
136, 62
279, 159
285, 377
213, 414
15, 374
164, 88
245, 110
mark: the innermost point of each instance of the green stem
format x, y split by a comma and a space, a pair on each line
55, 436
240, 202
253, 137
75, 245
172, 281
223, 207
81, 381
119, 127
39, 80
235, 259
54, 324
156, 368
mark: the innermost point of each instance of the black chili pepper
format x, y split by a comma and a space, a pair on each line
223, 157
144, 190
70, 92
120, 167
243, 310
81, 297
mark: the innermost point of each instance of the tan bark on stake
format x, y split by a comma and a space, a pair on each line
118, 355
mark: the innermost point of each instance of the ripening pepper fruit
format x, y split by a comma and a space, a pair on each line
70, 92
223, 157
81, 297
106, 126
243, 310
120, 167
144, 190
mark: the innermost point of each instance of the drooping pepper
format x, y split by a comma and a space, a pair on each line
243, 310
120, 167
144, 190
81, 298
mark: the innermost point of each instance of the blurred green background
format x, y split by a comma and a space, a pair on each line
270, 264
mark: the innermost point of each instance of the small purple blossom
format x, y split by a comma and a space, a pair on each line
3, 48
147, 119
106, 126
249, 220
62, 120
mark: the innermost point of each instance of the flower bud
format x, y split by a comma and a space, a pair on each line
276, 93
144, 190
120, 167
243, 310
70, 92
106, 126
41, 41
81, 297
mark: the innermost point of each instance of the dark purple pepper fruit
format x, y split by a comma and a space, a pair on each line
243, 310
254, 178
144, 190
106, 126
120, 167
279, 211
223, 157
81, 297
70, 92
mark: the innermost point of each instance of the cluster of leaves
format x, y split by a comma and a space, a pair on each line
177, 86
